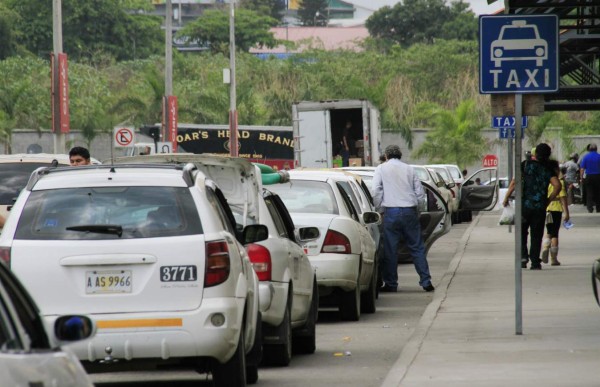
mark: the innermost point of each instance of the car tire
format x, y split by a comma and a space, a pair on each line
254, 357
305, 339
350, 303
367, 302
233, 372
281, 354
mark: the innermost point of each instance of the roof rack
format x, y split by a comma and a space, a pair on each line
188, 169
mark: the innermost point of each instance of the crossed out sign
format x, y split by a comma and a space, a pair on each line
123, 137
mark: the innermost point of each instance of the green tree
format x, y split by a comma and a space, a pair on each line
8, 43
422, 21
273, 8
212, 29
313, 12
456, 137
90, 28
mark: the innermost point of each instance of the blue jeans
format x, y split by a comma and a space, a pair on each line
403, 223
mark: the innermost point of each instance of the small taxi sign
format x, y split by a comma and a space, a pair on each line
508, 122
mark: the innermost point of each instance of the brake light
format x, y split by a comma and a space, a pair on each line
5, 255
217, 263
261, 261
336, 242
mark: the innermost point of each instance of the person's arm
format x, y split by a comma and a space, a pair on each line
346, 147
556, 186
377, 190
2, 220
509, 191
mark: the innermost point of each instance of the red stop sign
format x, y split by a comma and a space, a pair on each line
490, 161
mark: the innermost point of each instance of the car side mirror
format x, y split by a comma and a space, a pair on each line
307, 234
451, 185
254, 233
371, 217
73, 328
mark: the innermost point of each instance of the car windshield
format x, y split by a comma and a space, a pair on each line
13, 178
307, 196
96, 212
511, 33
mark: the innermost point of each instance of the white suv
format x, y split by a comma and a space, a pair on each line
152, 255
289, 296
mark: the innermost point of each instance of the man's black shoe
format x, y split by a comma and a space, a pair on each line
428, 288
388, 289
536, 267
523, 265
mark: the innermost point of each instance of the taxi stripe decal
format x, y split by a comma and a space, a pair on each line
140, 323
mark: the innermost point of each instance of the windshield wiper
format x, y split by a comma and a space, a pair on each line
99, 228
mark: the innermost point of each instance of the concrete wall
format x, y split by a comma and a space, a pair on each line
101, 146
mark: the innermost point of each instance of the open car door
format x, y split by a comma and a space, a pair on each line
434, 216
480, 191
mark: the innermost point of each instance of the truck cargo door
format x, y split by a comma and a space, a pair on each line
314, 132
375, 139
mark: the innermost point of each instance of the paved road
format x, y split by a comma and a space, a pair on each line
348, 353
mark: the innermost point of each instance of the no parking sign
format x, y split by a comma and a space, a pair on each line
123, 137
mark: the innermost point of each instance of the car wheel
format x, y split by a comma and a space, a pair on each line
350, 304
233, 372
305, 339
281, 354
367, 304
254, 357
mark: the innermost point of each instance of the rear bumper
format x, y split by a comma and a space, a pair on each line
336, 270
165, 335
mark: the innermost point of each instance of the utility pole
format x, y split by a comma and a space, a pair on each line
233, 137
59, 136
169, 124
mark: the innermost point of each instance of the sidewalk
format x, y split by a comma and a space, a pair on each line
467, 335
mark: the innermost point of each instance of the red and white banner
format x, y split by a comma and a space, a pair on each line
60, 93
172, 123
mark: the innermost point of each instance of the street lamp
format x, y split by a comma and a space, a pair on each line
315, 18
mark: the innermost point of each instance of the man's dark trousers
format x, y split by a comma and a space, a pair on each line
534, 220
593, 192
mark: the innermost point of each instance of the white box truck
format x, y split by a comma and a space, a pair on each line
318, 129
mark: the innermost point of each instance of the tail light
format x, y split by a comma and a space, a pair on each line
261, 261
217, 263
5, 254
336, 242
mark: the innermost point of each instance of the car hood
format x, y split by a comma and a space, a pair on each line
238, 179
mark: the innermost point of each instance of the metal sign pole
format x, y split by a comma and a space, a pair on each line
518, 213
510, 168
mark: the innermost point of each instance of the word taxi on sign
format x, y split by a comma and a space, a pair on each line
518, 54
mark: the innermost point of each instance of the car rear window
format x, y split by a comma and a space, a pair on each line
307, 196
13, 178
105, 212
421, 174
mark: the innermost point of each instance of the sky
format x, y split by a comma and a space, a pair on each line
481, 7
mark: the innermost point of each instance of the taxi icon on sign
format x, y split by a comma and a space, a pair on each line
519, 41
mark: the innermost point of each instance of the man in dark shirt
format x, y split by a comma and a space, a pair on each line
590, 166
536, 175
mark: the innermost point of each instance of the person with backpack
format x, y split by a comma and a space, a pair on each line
536, 175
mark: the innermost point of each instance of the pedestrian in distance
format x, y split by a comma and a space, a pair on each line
397, 192
79, 156
582, 180
536, 175
571, 176
555, 209
345, 144
590, 166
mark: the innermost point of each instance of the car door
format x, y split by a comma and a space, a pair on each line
434, 217
362, 205
300, 267
26, 356
478, 197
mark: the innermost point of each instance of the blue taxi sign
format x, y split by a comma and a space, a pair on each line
518, 54
508, 122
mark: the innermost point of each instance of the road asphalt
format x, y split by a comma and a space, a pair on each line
469, 335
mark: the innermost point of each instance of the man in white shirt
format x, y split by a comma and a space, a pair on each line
397, 192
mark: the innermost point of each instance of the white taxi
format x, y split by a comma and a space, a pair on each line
151, 254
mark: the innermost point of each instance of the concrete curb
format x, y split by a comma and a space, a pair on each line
413, 346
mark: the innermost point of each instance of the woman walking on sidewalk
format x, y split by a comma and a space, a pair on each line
555, 211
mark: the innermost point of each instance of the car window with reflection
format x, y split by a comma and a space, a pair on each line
307, 196
109, 213
13, 178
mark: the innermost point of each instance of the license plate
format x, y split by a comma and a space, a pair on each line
108, 281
